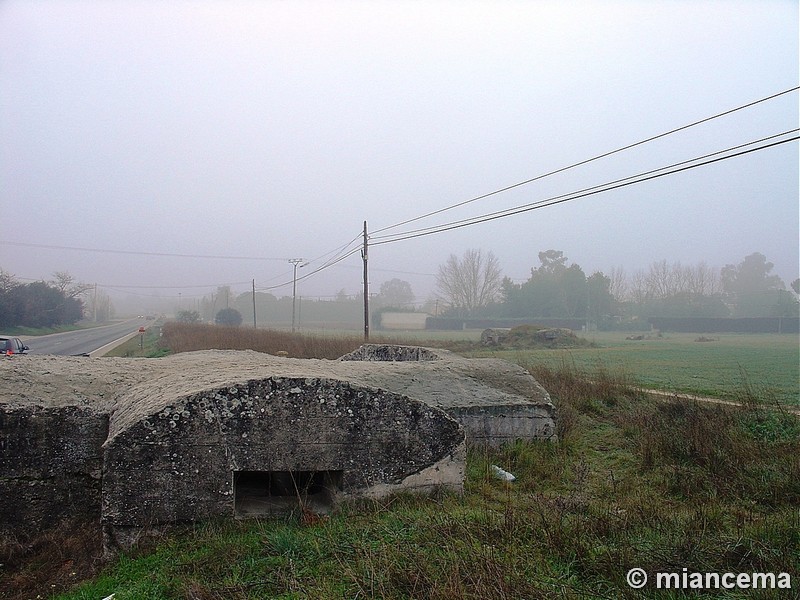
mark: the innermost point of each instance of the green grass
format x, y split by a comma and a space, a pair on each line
632, 482
677, 363
147, 346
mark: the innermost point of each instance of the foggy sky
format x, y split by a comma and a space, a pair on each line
272, 130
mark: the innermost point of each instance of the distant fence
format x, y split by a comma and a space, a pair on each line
709, 325
450, 323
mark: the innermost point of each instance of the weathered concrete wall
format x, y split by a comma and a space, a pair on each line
498, 425
495, 401
182, 463
50, 466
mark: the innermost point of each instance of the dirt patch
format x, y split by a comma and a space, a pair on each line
50, 562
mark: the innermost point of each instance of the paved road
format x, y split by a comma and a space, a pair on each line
84, 341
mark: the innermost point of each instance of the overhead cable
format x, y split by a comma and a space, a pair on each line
588, 160
649, 175
137, 252
501, 212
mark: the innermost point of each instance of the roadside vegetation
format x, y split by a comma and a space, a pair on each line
632, 482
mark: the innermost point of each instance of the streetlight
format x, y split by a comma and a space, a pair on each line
296, 262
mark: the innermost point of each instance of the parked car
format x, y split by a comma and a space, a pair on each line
9, 346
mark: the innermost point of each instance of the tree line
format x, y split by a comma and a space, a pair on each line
473, 286
60, 301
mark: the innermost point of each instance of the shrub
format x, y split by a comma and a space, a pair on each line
229, 317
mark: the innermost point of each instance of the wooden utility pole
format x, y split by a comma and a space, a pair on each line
295, 262
366, 285
254, 305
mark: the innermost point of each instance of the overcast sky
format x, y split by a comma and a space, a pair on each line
266, 131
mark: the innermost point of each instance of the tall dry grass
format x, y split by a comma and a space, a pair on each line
185, 337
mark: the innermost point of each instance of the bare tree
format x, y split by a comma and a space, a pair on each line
619, 284
471, 281
662, 279
638, 288
702, 280
67, 285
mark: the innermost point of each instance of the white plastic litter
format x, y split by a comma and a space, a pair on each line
501, 474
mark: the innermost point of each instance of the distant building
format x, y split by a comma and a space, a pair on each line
403, 320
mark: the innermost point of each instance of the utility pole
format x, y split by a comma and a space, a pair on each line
296, 262
254, 305
366, 285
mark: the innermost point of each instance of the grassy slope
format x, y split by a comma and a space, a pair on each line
632, 482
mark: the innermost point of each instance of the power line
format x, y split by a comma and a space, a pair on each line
169, 287
589, 160
137, 252
336, 258
639, 175
326, 265
668, 170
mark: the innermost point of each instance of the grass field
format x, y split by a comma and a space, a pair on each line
723, 368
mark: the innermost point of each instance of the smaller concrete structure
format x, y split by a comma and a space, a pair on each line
495, 401
494, 336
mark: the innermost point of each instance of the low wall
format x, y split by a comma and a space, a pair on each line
497, 425
715, 325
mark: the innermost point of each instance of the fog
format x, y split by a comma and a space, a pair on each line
166, 148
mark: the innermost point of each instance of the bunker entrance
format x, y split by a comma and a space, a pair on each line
261, 493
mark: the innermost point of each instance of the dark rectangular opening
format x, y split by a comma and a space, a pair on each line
263, 493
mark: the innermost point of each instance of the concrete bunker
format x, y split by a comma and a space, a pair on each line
136, 444
271, 446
